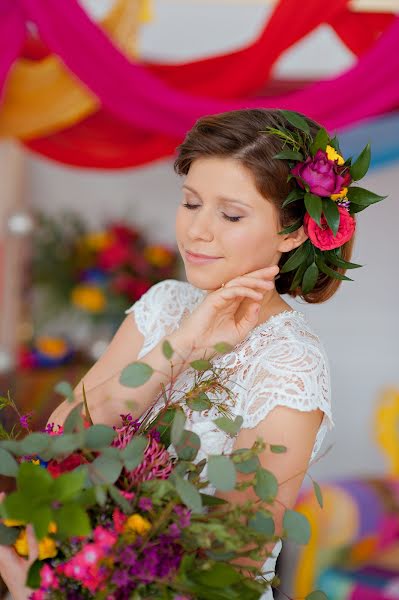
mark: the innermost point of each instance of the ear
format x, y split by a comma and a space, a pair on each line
290, 241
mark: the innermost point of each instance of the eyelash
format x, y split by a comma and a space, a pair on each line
232, 219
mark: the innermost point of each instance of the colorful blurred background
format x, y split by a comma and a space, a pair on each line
95, 97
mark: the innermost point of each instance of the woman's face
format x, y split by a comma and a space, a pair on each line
222, 215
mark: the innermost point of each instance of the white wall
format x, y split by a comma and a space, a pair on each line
360, 325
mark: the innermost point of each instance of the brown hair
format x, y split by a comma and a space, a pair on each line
240, 134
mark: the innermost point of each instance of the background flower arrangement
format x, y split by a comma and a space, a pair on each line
90, 276
126, 512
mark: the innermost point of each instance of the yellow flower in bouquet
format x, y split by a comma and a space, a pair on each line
342, 194
51, 346
332, 154
137, 524
97, 240
47, 547
89, 298
158, 255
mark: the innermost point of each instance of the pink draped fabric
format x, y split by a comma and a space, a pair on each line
136, 96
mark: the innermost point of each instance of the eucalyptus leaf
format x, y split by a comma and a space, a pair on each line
249, 465
296, 119
124, 504
100, 494
105, 470
132, 455
135, 374
361, 165
310, 278
167, 350
223, 347
278, 448
314, 206
263, 523
35, 443
177, 426
163, 423
222, 472
318, 493
295, 259
74, 420
199, 403
296, 526
189, 494
188, 445
65, 389
201, 364
65, 443
98, 436
266, 486
332, 215
8, 464
228, 425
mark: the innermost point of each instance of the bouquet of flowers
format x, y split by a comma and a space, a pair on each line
128, 511
99, 273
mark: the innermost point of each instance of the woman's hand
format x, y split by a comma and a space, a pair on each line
225, 315
14, 568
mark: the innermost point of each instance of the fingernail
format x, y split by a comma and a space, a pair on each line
277, 276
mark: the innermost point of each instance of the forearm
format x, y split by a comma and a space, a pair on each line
108, 399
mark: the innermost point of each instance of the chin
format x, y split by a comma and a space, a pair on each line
203, 282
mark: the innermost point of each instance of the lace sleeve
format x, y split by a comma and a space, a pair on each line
290, 373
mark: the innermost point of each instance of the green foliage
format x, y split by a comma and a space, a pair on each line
135, 374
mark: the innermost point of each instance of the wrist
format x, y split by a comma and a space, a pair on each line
183, 349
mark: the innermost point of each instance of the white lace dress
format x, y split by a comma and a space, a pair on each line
280, 362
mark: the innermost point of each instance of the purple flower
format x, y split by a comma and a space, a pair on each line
320, 174
25, 419
145, 504
184, 514
174, 530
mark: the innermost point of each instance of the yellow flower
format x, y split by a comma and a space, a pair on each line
341, 194
35, 462
21, 544
12, 522
51, 346
138, 524
158, 255
47, 548
88, 297
98, 240
332, 154
52, 528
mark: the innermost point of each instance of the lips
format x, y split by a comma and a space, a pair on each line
200, 255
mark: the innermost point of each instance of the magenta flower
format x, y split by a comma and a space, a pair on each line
25, 419
323, 176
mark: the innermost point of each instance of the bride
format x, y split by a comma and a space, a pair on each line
228, 231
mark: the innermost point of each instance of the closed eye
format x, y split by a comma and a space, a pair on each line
193, 206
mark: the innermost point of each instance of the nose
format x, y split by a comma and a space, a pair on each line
201, 225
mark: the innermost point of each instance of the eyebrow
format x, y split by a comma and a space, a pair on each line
223, 198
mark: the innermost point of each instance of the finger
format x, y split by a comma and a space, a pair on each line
32, 544
251, 281
229, 293
272, 271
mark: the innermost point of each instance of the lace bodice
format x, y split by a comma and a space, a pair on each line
280, 362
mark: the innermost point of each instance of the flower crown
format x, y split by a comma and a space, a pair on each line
324, 183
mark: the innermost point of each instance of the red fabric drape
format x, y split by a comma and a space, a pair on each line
102, 141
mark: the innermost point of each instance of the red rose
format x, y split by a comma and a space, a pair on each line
123, 233
114, 256
68, 464
322, 237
